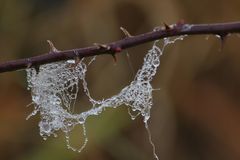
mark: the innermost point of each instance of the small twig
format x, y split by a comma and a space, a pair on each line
221, 29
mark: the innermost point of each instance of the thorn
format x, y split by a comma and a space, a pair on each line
29, 63
37, 68
222, 38
77, 60
167, 27
53, 49
114, 57
76, 53
114, 51
104, 46
127, 34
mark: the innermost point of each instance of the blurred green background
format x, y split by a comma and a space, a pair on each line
196, 114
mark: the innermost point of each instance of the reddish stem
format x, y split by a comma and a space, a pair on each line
221, 29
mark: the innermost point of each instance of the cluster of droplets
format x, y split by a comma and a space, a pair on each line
54, 89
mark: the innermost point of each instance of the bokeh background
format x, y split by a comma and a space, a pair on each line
196, 114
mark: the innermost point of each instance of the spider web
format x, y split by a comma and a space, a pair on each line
54, 88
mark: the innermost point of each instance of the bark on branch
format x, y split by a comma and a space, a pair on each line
221, 29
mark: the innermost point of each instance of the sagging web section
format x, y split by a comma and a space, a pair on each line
54, 88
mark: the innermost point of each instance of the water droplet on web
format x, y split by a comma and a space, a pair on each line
68, 146
71, 61
81, 120
156, 63
67, 137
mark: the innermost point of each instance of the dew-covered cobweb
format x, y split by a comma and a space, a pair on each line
54, 89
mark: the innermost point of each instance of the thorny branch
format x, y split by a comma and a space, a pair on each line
180, 28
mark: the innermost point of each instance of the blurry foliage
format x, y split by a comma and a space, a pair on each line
196, 113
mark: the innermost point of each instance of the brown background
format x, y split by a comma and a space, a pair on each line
196, 114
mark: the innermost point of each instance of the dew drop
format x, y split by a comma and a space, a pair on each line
72, 61
156, 63
81, 120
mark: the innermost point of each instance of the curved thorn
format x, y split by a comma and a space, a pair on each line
53, 49
127, 34
104, 46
